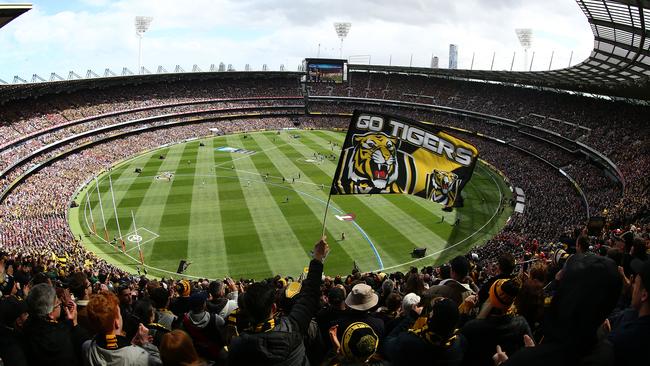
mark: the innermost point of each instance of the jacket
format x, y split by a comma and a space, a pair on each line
283, 344
206, 332
98, 352
52, 343
483, 336
404, 348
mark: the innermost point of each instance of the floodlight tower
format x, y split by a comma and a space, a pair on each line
342, 30
525, 36
141, 26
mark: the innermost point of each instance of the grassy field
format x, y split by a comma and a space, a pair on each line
221, 213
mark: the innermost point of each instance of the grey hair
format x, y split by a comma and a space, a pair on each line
408, 301
41, 299
388, 286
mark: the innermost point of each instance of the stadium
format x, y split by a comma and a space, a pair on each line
204, 192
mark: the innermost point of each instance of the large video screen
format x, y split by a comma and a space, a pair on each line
326, 70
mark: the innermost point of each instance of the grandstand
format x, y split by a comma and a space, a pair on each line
573, 145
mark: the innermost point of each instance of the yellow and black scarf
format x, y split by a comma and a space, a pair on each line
432, 338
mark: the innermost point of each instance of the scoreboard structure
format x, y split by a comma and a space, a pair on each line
325, 70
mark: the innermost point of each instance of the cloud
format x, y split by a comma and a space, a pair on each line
97, 34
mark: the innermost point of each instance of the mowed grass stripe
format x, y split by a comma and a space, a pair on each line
281, 247
408, 232
174, 215
208, 249
354, 247
305, 214
242, 244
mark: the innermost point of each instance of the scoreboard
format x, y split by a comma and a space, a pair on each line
322, 70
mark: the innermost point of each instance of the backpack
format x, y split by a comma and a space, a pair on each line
208, 341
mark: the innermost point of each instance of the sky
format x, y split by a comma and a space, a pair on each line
78, 35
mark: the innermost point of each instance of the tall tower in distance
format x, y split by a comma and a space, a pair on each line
453, 56
434, 62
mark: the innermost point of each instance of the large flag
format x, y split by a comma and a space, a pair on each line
389, 154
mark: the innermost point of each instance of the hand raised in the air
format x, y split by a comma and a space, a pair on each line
321, 249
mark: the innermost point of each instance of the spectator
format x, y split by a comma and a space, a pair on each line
272, 341
494, 326
146, 314
81, 288
582, 244
360, 301
631, 334
437, 341
588, 291
52, 336
205, 328
505, 266
109, 346
390, 310
160, 299
358, 346
125, 294
176, 349
328, 315
457, 287
181, 305
13, 314
218, 303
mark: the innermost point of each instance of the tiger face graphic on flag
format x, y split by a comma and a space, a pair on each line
442, 187
386, 154
373, 164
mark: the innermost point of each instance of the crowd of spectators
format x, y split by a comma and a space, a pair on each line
585, 303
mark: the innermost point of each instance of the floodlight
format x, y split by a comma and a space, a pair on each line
342, 30
141, 26
525, 36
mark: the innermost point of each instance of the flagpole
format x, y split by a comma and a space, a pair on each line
101, 209
327, 207
117, 219
90, 207
137, 238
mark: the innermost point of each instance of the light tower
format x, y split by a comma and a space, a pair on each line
342, 30
141, 26
525, 36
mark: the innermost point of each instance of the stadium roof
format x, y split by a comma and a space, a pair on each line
619, 64
9, 12
10, 92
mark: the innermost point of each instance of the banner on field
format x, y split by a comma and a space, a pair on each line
388, 154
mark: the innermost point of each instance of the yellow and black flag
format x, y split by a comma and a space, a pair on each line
389, 154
